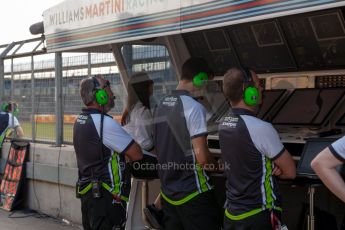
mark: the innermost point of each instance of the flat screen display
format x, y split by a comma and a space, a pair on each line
269, 99
308, 106
317, 39
310, 150
341, 121
261, 46
214, 47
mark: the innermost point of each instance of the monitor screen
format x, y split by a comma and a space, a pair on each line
316, 39
269, 99
308, 106
214, 47
212, 98
311, 148
341, 121
261, 46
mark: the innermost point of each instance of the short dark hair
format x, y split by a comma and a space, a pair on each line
193, 66
233, 85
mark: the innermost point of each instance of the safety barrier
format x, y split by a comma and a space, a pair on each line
68, 119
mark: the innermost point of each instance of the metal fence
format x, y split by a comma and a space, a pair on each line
29, 79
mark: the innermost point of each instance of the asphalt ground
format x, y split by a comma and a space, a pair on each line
29, 220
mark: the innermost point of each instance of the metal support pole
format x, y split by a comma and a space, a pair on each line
144, 198
120, 62
311, 217
58, 99
33, 102
2, 69
128, 58
89, 64
12, 80
2, 78
125, 61
12, 89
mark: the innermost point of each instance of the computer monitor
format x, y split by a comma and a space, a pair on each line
317, 40
312, 147
308, 107
262, 46
213, 46
341, 121
270, 98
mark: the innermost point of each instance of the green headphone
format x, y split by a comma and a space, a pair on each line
101, 95
6, 106
251, 94
200, 79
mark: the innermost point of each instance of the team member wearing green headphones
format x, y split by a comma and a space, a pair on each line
255, 154
102, 146
8, 120
180, 138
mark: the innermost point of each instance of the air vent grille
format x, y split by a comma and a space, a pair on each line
332, 81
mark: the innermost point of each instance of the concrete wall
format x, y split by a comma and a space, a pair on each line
51, 175
52, 172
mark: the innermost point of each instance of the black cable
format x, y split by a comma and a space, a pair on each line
33, 176
26, 213
58, 181
58, 169
101, 132
35, 213
34, 148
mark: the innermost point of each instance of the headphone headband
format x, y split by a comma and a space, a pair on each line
247, 75
96, 83
250, 92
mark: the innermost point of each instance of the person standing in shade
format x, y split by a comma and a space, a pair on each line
101, 147
325, 163
180, 132
137, 121
254, 154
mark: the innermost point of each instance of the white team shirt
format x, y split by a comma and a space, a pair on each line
140, 126
338, 148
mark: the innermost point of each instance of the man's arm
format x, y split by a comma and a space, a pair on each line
267, 141
16, 126
324, 164
124, 143
201, 150
286, 165
134, 152
19, 132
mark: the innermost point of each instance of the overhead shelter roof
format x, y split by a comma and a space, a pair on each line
91, 24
